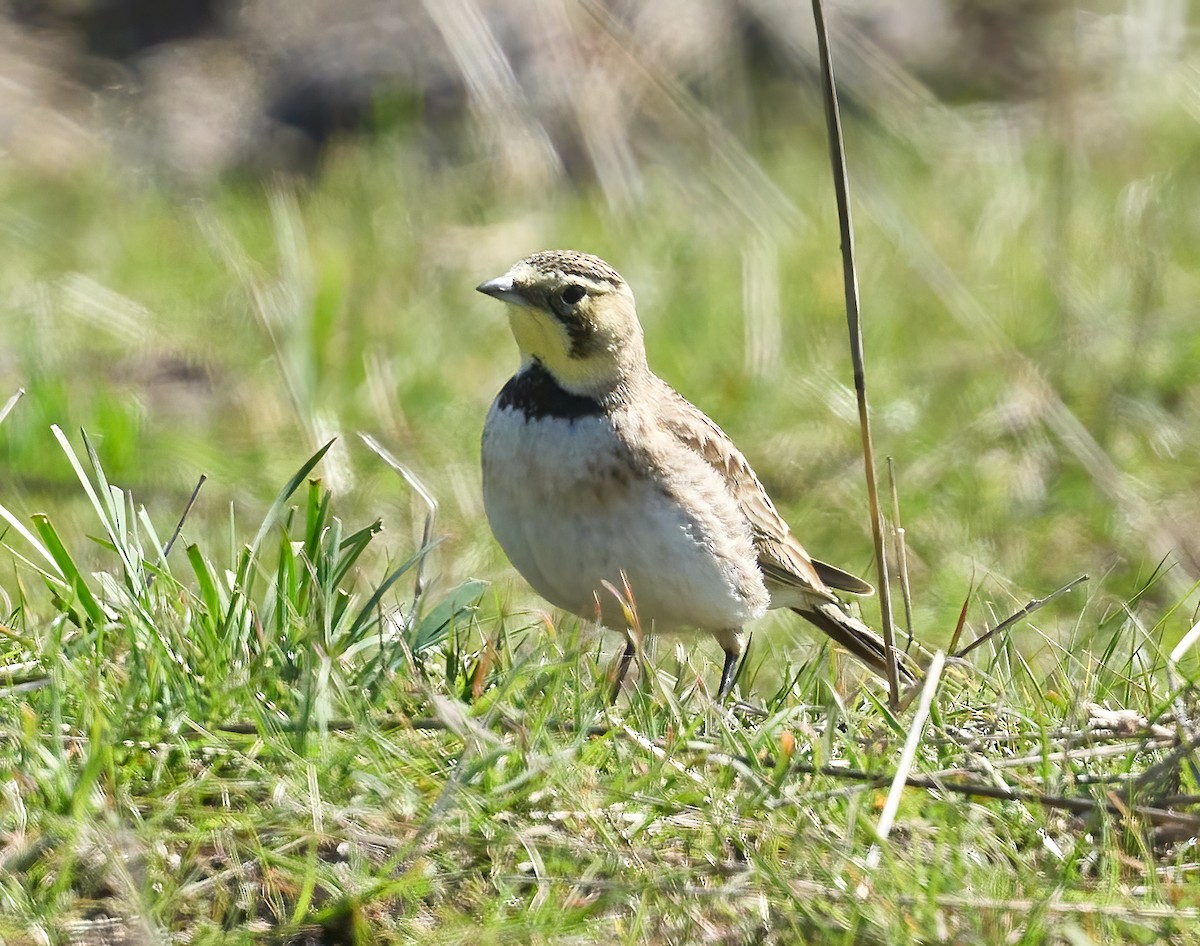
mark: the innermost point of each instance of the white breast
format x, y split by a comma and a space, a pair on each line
572, 513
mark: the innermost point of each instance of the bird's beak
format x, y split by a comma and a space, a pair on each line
504, 289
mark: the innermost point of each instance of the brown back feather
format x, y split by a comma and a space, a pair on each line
781, 557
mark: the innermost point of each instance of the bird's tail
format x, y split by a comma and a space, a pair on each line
857, 638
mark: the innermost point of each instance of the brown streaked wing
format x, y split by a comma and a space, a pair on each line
782, 559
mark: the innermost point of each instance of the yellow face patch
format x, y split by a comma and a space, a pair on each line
543, 337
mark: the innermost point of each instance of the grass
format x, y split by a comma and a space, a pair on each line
265, 732
221, 747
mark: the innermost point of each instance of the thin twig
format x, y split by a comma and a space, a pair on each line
841, 189
1179, 801
1075, 804
738, 893
1012, 619
1079, 805
658, 752
1087, 753
389, 723
183, 518
901, 553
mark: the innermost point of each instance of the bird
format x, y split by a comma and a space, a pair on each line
599, 476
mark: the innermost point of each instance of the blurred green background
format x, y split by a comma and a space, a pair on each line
229, 232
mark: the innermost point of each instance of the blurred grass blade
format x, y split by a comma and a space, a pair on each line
10, 404
1030, 607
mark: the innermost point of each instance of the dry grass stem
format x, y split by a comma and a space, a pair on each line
960, 624
837, 156
183, 517
1012, 619
901, 553
1075, 804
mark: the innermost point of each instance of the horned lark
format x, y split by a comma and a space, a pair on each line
598, 476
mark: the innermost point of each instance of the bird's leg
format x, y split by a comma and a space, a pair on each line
623, 667
732, 643
728, 674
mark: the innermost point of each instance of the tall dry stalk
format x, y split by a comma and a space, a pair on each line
841, 188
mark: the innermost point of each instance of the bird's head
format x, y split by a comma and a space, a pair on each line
575, 315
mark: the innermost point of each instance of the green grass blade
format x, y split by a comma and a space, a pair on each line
68, 569
100, 507
206, 582
160, 559
368, 610
351, 549
279, 506
433, 627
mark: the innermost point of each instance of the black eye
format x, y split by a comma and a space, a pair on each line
573, 294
